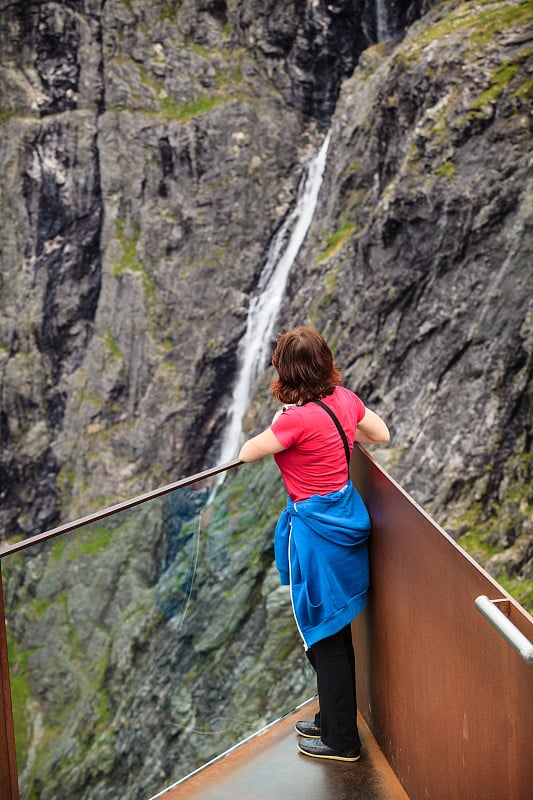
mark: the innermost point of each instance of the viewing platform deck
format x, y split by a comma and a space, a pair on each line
268, 766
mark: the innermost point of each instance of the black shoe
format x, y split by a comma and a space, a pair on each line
317, 749
308, 729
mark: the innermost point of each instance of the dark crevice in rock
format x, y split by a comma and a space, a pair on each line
57, 61
66, 248
218, 10
319, 44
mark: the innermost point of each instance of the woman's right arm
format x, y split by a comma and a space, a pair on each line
371, 429
264, 444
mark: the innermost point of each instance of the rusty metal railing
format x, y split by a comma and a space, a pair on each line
449, 700
9, 789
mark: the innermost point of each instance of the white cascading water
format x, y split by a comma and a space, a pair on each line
264, 306
382, 20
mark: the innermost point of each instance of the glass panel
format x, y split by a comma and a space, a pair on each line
144, 645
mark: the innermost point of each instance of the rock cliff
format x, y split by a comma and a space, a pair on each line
420, 266
149, 152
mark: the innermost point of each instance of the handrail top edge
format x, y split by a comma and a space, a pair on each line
67, 527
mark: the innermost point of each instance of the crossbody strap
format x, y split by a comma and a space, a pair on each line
339, 428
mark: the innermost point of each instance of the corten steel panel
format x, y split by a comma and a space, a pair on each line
447, 698
8, 763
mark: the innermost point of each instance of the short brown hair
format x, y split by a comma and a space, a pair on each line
305, 366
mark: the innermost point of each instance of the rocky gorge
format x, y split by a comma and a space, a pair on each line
149, 153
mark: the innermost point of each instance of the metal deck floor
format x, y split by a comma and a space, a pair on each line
270, 767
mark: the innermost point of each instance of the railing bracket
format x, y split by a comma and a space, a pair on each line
498, 619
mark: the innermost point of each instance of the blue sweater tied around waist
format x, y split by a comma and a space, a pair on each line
321, 551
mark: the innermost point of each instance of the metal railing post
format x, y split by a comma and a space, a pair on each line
9, 789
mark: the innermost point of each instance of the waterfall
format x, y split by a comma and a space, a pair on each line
254, 349
382, 20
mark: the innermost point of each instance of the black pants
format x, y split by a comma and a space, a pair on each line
334, 663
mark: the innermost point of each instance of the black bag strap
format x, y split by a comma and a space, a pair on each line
339, 428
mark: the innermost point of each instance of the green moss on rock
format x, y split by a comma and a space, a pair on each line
335, 241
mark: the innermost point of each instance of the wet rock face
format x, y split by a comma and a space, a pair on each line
51, 257
310, 47
143, 145
52, 55
66, 218
57, 63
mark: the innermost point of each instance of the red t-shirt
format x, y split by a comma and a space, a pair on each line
315, 461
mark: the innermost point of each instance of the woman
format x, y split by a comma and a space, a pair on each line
320, 539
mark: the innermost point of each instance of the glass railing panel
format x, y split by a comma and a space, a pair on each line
145, 644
